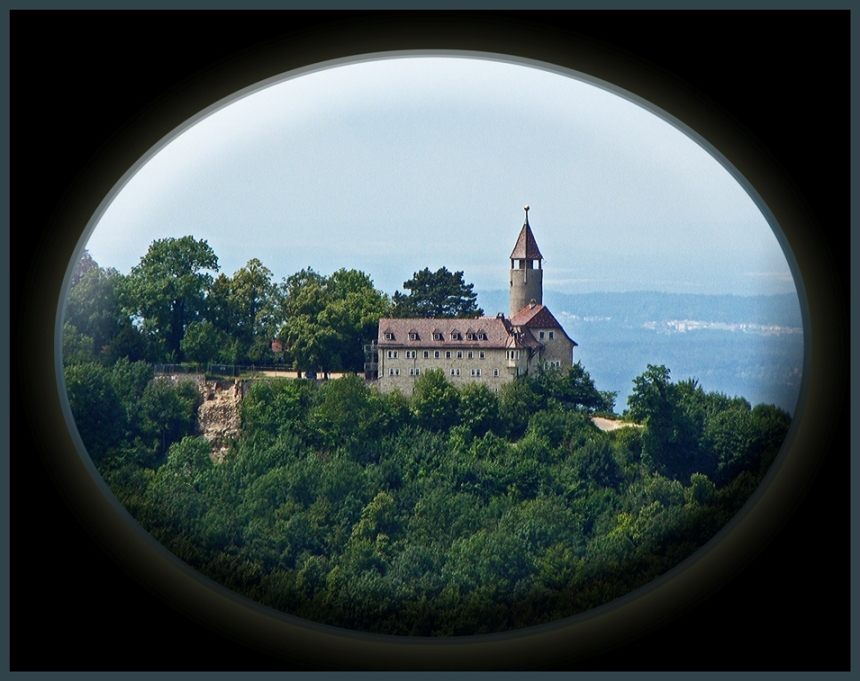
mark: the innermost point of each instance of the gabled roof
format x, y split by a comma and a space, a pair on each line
526, 247
495, 329
534, 316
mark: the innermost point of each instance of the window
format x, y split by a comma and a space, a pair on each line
513, 354
552, 363
436, 354
437, 336
470, 336
470, 354
394, 372
552, 335
455, 372
389, 336
459, 354
426, 354
540, 335
476, 372
415, 372
481, 354
495, 372
482, 336
411, 354
447, 354
392, 354
413, 336
456, 336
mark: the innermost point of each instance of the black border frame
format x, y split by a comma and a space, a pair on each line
61, 171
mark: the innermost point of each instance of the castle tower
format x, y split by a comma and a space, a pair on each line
526, 270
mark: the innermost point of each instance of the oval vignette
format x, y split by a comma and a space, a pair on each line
522, 648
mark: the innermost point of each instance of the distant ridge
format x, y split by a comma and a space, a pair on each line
638, 307
619, 334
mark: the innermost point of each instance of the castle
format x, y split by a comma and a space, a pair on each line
489, 350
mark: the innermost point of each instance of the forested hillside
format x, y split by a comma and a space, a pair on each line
454, 513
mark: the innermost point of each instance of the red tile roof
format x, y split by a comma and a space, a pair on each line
534, 316
495, 330
526, 247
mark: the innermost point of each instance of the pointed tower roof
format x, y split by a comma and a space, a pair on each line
526, 248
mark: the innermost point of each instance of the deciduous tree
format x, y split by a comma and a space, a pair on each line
167, 289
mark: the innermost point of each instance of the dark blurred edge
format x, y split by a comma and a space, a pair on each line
784, 76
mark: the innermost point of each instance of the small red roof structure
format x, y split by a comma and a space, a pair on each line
534, 316
526, 247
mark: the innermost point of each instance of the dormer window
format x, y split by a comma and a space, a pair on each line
388, 335
437, 336
456, 335
482, 335
413, 335
470, 336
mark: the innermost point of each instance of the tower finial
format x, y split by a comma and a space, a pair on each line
526, 208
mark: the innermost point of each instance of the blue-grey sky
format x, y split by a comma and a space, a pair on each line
390, 166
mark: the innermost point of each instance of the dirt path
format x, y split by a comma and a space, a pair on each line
609, 424
292, 374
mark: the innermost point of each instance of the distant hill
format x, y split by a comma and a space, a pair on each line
639, 307
739, 345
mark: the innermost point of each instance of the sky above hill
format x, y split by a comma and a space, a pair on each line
390, 166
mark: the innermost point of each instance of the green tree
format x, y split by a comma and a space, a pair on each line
253, 302
671, 438
167, 289
435, 401
203, 342
479, 409
328, 319
96, 408
84, 264
93, 306
440, 294
77, 348
573, 389
348, 414
168, 413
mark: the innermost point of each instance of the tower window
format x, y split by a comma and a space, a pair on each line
552, 335
495, 372
541, 335
426, 354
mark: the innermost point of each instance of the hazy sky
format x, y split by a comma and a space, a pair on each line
391, 166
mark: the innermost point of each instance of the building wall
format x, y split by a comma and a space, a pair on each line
556, 349
493, 359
